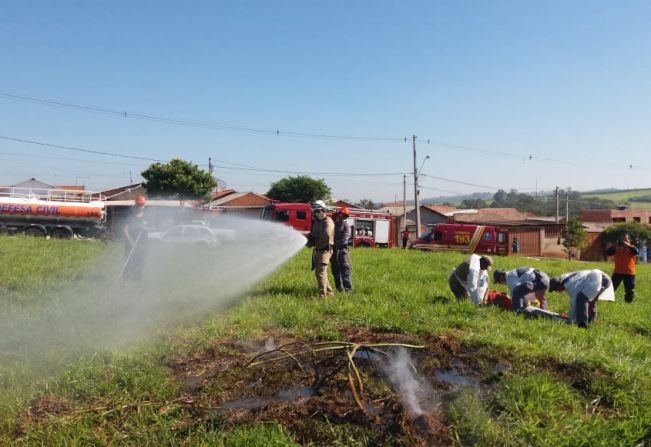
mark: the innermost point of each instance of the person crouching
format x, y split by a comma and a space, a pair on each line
470, 279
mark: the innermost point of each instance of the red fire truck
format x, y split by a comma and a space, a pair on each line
464, 237
369, 228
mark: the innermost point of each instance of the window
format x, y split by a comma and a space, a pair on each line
175, 232
501, 238
636, 219
436, 236
282, 216
301, 215
619, 219
191, 231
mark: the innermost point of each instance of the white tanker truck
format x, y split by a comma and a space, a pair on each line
55, 213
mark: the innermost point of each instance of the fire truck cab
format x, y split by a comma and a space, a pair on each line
369, 229
464, 237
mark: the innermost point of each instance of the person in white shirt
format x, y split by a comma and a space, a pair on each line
470, 279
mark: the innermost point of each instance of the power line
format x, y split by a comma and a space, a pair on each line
195, 123
70, 148
528, 156
104, 162
237, 168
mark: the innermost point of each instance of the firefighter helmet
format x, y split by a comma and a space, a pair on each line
319, 205
140, 200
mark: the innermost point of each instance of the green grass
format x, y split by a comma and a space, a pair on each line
565, 386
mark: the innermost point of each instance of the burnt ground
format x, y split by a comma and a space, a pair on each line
307, 386
392, 390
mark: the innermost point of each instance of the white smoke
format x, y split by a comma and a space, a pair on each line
181, 284
415, 393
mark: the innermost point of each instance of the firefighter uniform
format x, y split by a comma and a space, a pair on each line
321, 238
341, 266
135, 234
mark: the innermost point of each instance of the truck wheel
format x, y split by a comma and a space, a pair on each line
35, 232
365, 244
60, 233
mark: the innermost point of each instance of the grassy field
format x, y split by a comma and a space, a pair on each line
622, 197
480, 376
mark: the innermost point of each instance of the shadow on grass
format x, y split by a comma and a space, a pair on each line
285, 290
441, 299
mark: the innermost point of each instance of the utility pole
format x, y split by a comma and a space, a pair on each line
416, 203
557, 204
404, 202
567, 205
210, 165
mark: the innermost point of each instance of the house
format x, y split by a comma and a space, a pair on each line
344, 203
247, 204
36, 188
614, 216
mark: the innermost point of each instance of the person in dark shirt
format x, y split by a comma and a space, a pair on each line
515, 246
405, 237
340, 262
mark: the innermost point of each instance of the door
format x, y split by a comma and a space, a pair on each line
382, 232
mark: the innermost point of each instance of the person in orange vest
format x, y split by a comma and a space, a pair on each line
405, 237
625, 255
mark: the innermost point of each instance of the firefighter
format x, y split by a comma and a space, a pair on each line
625, 255
513, 278
584, 288
135, 234
470, 278
341, 266
321, 238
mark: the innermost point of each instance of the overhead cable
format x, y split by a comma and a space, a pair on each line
195, 123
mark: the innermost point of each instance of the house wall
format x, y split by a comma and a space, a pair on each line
594, 249
630, 215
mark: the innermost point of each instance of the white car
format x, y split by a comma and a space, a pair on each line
187, 234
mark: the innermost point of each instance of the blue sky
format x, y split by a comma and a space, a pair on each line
509, 94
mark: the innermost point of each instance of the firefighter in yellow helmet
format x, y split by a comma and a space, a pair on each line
321, 238
340, 263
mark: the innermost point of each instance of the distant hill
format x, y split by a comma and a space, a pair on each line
635, 198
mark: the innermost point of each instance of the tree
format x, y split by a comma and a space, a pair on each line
367, 204
637, 231
575, 236
474, 204
177, 178
299, 189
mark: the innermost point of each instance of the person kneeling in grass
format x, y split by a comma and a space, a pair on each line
534, 293
584, 288
470, 280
